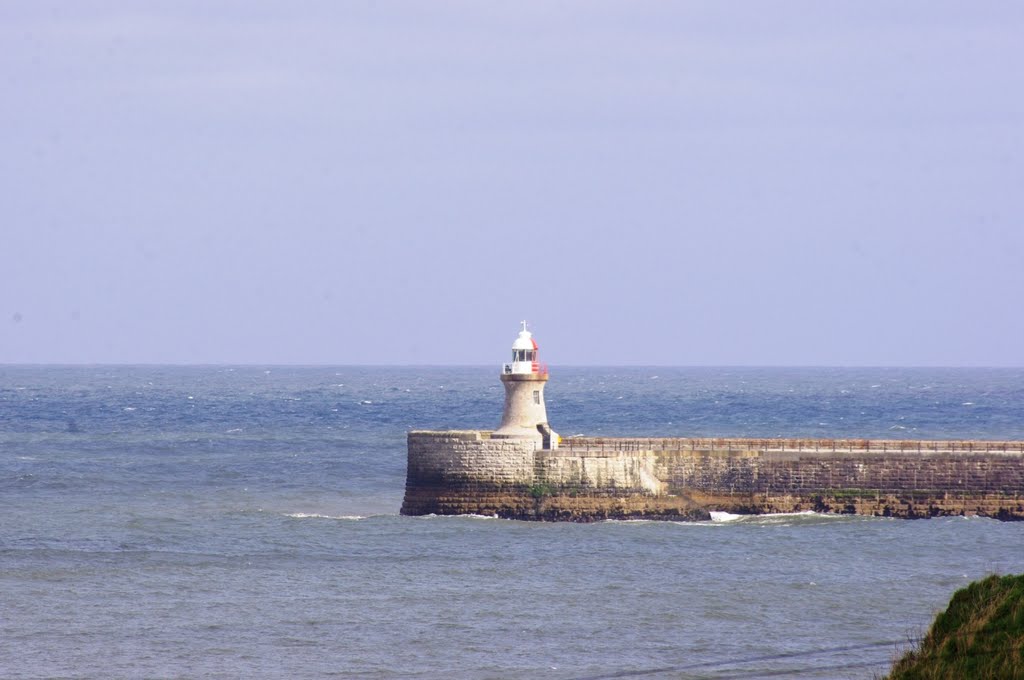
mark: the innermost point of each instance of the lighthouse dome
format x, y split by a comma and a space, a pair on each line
525, 340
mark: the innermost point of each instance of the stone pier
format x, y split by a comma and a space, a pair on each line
588, 478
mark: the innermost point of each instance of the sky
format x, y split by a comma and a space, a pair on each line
647, 183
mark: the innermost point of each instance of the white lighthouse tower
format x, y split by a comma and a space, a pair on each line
524, 416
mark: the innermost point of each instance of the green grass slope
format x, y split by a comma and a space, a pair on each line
980, 635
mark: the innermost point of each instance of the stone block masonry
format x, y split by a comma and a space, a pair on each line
468, 472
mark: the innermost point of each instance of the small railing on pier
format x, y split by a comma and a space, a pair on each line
634, 444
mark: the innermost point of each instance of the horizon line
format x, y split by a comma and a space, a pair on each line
212, 364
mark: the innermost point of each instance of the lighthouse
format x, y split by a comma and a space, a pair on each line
524, 416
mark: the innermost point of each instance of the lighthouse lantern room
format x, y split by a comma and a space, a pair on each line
524, 354
525, 416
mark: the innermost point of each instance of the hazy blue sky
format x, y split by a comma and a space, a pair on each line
794, 183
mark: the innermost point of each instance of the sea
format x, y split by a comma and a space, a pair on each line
243, 522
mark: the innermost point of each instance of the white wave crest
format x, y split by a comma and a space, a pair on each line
776, 518
314, 515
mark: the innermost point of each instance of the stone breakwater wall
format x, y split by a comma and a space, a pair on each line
589, 478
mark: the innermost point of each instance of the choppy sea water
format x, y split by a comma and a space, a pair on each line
243, 522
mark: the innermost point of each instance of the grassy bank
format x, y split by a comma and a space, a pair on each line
980, 635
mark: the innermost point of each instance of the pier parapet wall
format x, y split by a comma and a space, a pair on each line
591, 478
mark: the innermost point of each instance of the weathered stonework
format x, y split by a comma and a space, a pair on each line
468, 472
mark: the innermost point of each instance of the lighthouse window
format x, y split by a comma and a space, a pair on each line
536, 396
